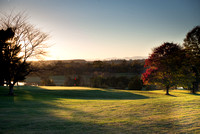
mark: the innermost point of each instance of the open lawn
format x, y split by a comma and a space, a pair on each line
49, 110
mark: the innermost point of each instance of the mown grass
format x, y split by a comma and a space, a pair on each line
79, 110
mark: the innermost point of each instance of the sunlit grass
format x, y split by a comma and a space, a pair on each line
94, 110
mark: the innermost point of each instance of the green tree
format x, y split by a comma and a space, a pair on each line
5, 35
192, 48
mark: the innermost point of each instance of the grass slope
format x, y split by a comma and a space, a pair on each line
57, 110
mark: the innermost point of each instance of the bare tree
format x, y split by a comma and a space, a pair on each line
31, 40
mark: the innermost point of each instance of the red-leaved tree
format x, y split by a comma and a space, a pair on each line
165, 66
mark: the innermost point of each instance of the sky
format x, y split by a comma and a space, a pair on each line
102, 29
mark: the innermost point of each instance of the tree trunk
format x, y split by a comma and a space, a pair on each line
167, 90
195, 87
195, 84
1, 75
1, 82
11, 91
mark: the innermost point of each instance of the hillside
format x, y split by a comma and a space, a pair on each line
77, 110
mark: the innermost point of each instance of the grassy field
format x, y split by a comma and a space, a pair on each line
79, 110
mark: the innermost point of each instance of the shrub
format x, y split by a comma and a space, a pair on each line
47, 82
122, 82
114, 82
150, 87
135, 84
69, 81
97, 81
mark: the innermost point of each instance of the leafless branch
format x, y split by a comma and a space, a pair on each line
31, 39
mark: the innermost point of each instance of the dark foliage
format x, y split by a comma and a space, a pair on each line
13, 69
192, 48
5, 35
75, 81
47, 82
112, 82
135, 84
114, 74
84, 67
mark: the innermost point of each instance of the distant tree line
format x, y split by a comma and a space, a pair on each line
113, 73
134, 83
69, 68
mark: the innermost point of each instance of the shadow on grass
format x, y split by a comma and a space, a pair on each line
91, 94
96, 94
39, 116
171, 95
189, 93
32, 111
196, 94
